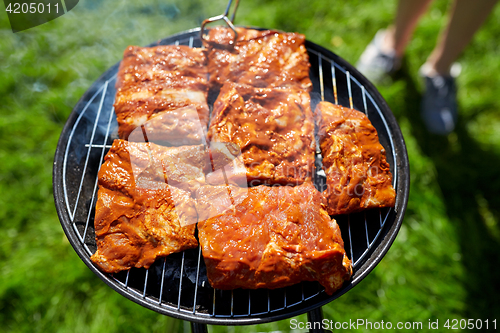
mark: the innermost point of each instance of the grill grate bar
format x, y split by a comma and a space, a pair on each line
348, 74
197, 279
312, 296
136, 293
126, 279
232, 303
366, 231
321, 85
117, 281
213, 304
350, 238
334, 82
180, 283
249, 303
145, 284
97, 180
363, 93
77, 232
87, 248
268, 302
385, 219
162, 279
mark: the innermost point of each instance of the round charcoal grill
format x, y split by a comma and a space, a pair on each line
177, 285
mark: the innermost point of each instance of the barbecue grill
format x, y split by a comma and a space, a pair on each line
177, 285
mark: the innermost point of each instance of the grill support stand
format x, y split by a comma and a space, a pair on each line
199, 328
315, 317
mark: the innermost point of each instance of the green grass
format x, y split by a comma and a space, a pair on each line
444, 262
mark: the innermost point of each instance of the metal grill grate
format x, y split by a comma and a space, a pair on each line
177, 285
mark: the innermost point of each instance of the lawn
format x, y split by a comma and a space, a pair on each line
444, 263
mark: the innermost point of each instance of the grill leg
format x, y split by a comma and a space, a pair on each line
199, 328
315, 317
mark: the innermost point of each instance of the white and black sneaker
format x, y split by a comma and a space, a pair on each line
439, 105
375, 64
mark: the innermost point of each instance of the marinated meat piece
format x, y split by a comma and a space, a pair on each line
127, 163
358, 175
173, 128
258, 58
139, 217
133, 230
163, 88
270, 237
272, 127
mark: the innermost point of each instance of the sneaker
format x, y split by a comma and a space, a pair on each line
375, 64
439, 105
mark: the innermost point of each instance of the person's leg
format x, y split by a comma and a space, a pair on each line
439, 105
465, 19
407, 16
382, 57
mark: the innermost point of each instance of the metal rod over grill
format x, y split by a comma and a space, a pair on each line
223, 17
177, 285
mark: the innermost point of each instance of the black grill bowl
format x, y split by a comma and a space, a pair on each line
177, 285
